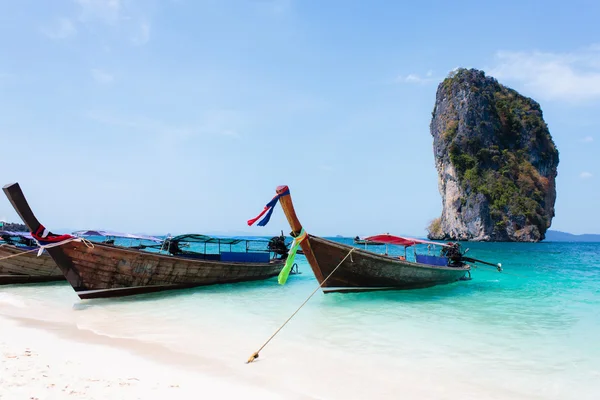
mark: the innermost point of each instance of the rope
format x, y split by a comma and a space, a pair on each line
18, 254
41, 249
86, 242
255, 355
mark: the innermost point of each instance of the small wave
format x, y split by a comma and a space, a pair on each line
12, 300
82, 327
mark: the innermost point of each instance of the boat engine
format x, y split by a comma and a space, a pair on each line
174, 248
454, 254
277, 245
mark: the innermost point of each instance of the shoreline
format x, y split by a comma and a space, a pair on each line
42, 359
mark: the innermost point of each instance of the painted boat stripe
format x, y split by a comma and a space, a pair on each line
331, 289
84, 292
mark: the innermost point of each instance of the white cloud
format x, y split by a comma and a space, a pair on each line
585, 175
214, 122
106, 10
162, 136
63, 28
142, 36
572, 76
5, 78
142, 124
274, 7
415, 78
587, 139
230, 132
129, 16
101, 76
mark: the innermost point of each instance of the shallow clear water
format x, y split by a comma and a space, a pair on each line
532, 331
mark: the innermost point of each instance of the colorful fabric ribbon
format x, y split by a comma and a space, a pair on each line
268, 210
289, 263
47, 239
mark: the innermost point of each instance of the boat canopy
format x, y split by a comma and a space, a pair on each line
117, 235
386, 238
26, 235
198, 238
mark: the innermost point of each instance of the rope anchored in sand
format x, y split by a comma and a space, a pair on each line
254, 356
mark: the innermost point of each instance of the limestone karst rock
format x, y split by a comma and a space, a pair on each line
496, 162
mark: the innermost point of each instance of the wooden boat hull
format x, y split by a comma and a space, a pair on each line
102, 270
366, 271
108, 271
27, 268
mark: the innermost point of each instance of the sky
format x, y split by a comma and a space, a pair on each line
184, 115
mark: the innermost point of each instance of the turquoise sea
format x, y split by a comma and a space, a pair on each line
530, 332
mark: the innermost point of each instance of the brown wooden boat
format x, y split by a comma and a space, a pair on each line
28, 267
103, 270
364, 270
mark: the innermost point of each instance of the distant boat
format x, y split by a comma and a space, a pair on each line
124, 240
24, 266
362, 270
358, 240
105, 270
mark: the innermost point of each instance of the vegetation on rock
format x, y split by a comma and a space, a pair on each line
435, 227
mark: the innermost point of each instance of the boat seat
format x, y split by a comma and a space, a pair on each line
250, 257
432, 260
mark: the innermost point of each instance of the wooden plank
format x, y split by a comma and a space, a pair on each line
27, 263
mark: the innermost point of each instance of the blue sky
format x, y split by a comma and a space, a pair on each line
177, 116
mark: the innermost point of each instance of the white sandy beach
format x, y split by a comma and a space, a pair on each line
40, 365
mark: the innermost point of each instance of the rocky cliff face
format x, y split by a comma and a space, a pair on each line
496, 162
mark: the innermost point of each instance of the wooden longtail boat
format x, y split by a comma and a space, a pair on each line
103, 270
23, 264
364, 270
